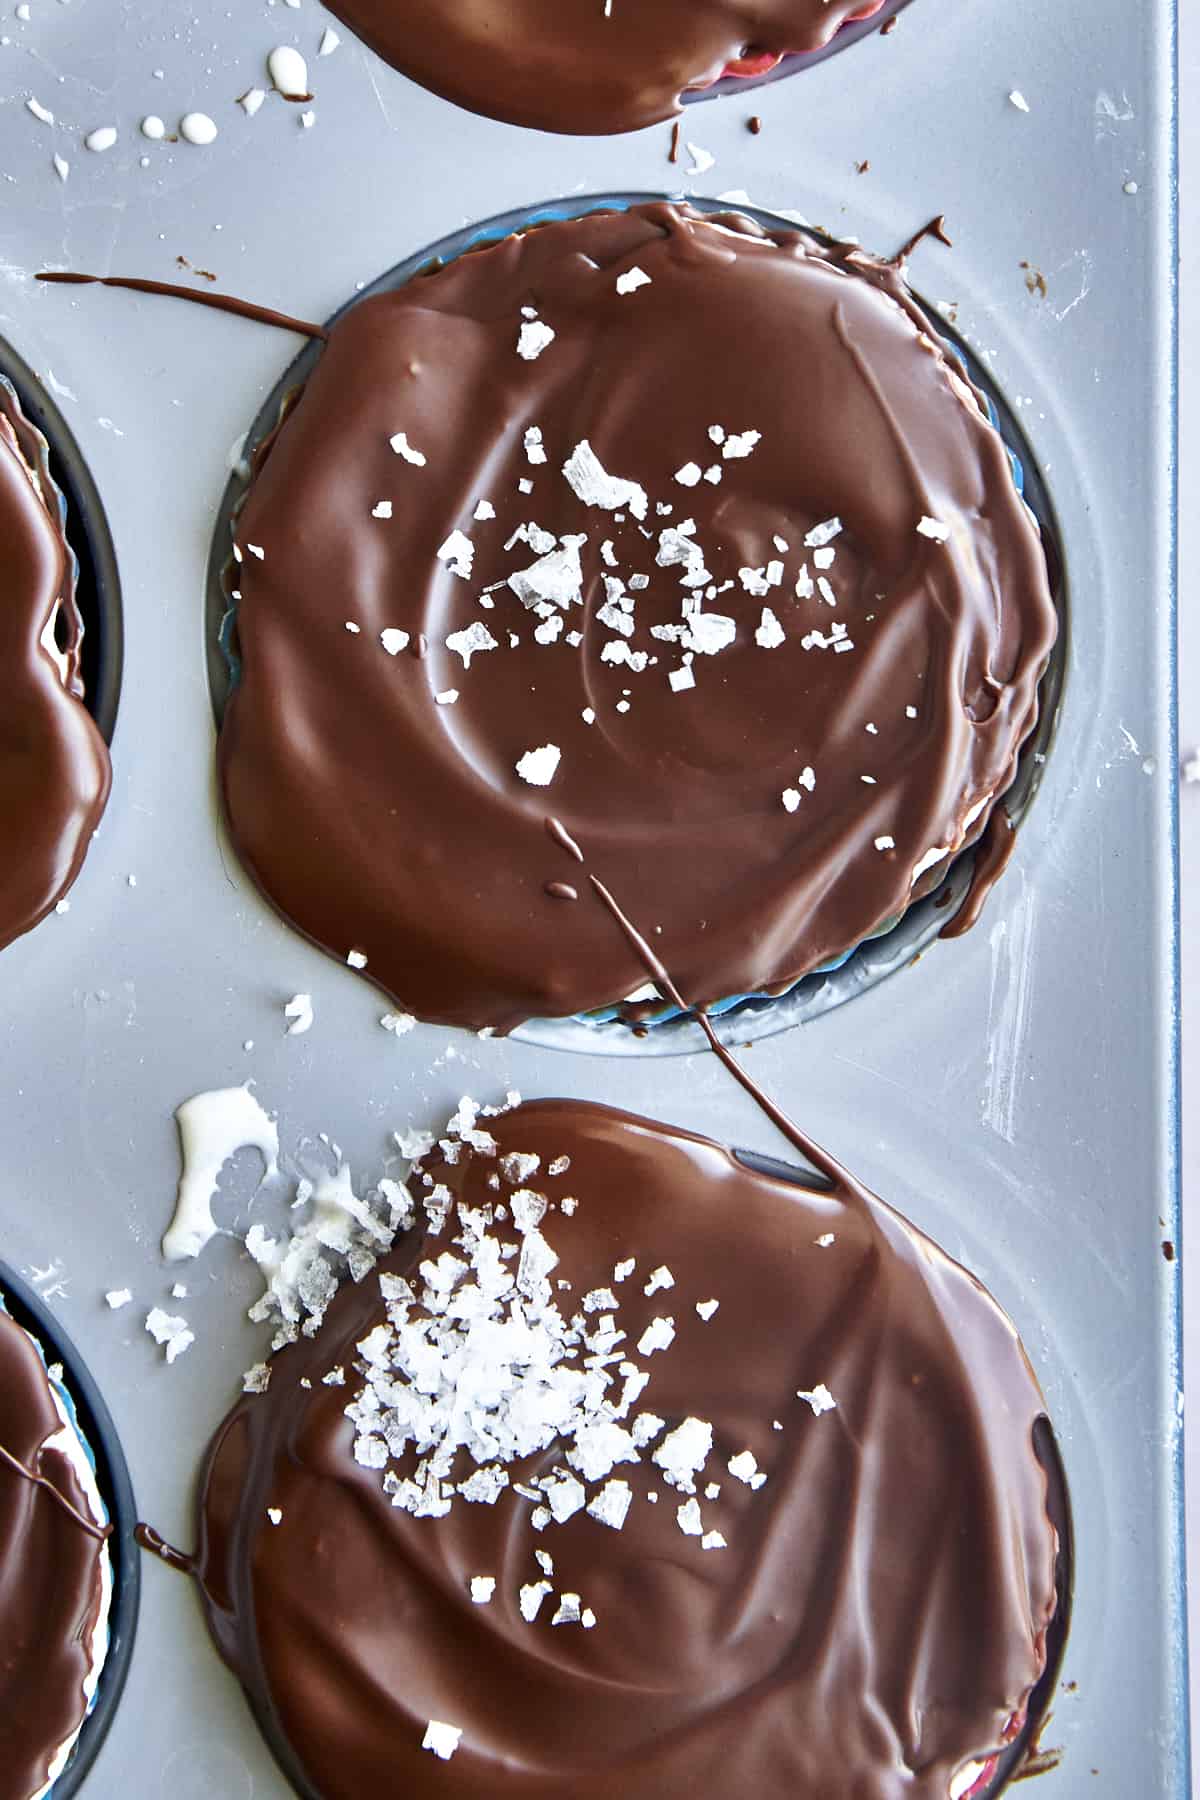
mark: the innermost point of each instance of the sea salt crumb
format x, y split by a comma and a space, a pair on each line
713, 1540
683, 1453
471, 641
257, 1378
329, 42
400, 444
530, 1599
689, 475
706, 1308
910, 712
275, 1514
534, 337
631, 280
791, 799
251, 100
382, 509
458, 553
611, 1505
689, 1520
170, 1330
299, 1009
744, 1467
1017, 99
118, 1297
660, 1278
539, 767
740, 444
353, 628
681, 679
441, 1738
398, 1023
702, 160
885, 842
570, 1610
819, 1398
658, 1335
393, 639
826, 1238
485, 510
357, 959
590, 482
770, 633
447, 697
482, 1589
933, 528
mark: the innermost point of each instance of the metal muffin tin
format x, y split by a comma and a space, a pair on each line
1014, 1092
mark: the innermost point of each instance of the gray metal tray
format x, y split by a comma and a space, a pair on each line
1014, 1092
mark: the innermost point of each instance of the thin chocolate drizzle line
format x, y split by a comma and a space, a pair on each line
100, 1532
936, 228
562, 837
244, 309
157, 1545
820, 1159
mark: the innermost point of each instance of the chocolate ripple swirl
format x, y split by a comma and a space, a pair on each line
381, 818
876, 1623
54, 766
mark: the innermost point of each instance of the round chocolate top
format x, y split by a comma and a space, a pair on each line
876, 1618
54, 766
782, 433
50, 1576
582, 65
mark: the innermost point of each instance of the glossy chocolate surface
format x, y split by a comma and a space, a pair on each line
876, 1622
584, 65
378, 819
54, 766
50, 1576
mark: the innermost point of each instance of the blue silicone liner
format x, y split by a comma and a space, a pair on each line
98, 1433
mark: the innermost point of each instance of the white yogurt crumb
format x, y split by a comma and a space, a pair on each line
169, 1330
62, 167
118, 1297
702, 160
289, 72
329, 42
533, 337
539, 767
441, 1738
307, 120
251, 100
197, 128
152, 127
402, 447
299, 1009
39, 111
103, 138
632, 280
63, 906
1017, 99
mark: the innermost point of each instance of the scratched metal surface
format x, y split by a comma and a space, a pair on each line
1014, 1092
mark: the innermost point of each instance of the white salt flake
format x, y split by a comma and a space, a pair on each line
393, 639
1016, 98
681, 679
688, 1517
471, 641
611, 1505
658, 1335
398, 1023
257, 1378
702, 160
819, 1398
169, 1330
744, 1467
356, 959
740, 444
791, 799
482, 1589
534, 337
329, 42
826, 1238
631, 280
591, 483
441, 1738
660, 1278
118, 1297
689, 475
539, 767
458, 553
683, 1453
708, 634
382, 509
400, 444
822, 534
447, 697
275, 1515
531, 1597
824, 559
570, 1610
885, 842
770, 633
485, 510
251, 100
706, 1308
933, 528
713, 1540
